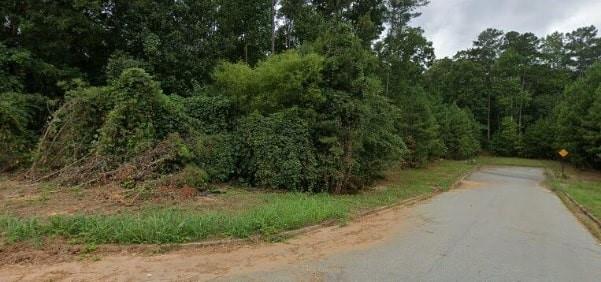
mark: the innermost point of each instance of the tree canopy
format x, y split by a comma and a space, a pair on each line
304, 95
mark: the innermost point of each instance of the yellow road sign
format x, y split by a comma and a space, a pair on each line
564, 153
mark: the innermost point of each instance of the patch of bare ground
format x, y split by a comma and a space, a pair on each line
73, 263
22, 199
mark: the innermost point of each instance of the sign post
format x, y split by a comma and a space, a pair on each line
563, 153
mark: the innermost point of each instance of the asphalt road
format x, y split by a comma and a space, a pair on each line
501, 225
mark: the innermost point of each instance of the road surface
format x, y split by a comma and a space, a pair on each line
500, 226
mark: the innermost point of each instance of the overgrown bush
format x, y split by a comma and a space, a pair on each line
21, 117
280, 82
72, 134
190, 176
212, 114
219, 155
119, 62
277, 152
100, 129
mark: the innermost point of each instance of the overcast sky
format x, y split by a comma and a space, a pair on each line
453, 25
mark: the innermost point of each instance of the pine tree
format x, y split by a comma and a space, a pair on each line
506, 141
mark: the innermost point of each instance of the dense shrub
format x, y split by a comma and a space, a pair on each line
120, 61
73, 131
190, 176
459, 132
218, 154
212, 113
381, 143
21, 116
277, 151
105, 127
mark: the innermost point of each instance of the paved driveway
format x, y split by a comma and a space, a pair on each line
501, 225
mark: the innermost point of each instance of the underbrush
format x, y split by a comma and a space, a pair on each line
273, 213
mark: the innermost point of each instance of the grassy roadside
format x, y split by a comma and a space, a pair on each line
269, 213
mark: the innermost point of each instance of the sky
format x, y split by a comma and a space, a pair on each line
453, 25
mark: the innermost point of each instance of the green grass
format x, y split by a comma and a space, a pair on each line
502, 161
270, 213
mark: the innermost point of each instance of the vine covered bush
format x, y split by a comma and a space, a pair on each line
277, 152
104, 130
20, 117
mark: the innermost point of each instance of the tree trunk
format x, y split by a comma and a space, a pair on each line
489, 116
273, 15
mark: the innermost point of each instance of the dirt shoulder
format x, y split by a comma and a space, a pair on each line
191, 263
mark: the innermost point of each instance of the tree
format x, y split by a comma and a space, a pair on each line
578, 119
584, 48
486, 51
506, 141
461, 82
404, 54
420, 129
459, 132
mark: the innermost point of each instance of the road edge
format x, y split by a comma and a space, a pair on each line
585, 217
590, 222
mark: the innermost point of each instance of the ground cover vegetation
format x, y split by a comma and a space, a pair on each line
304, 96
240, 213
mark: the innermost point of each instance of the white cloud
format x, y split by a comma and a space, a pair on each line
453, 25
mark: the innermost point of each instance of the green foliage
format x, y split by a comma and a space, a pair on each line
420, 129
219, 155
579, 120
120, 61
461, 82
277, 151
142, 115
539, 140
348, 67
381, 143
116, 124
507, 141
21, 116
459, 132
73, 131
191, 176
283, 81
211, 114
328, 109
